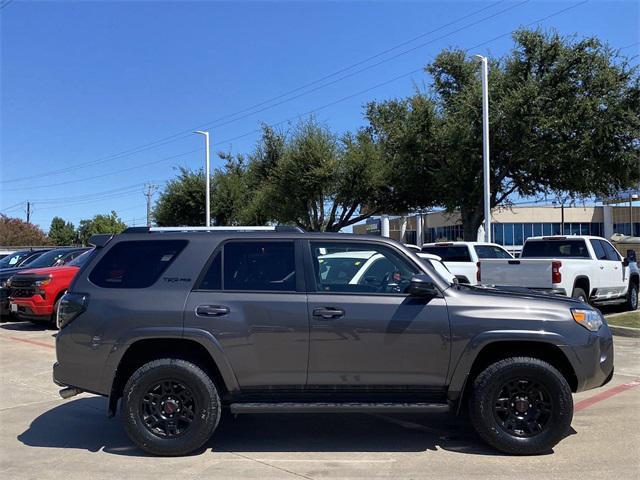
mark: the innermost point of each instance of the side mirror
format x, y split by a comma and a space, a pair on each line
422, 286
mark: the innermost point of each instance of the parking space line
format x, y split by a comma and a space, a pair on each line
587, 402
32, 342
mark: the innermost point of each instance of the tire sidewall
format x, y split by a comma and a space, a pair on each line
205, 419
578, 292
557, 426
630, 304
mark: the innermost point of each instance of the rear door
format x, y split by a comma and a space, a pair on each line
251, 299
369, 335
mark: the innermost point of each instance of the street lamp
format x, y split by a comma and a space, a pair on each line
207, 177
485, 146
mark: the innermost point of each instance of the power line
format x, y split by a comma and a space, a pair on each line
5, 4
185, 133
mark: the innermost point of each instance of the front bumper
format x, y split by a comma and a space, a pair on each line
33, 307
593, 361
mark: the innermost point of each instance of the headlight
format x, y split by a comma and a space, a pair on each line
589, 319
43, 282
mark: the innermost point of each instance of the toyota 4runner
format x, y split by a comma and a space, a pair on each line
183, 323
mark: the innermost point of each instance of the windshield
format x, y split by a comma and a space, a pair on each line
81, 259
569, 248
13, 259
491, 251
49, 258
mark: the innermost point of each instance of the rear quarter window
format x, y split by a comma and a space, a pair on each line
135, 264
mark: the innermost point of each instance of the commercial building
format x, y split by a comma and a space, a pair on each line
512, 226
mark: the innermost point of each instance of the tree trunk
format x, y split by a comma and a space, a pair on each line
471, 218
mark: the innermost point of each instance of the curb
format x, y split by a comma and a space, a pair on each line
625, 331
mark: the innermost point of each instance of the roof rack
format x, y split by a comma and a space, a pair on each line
239, 228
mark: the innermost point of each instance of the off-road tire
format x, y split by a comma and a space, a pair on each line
580, 294
201, 387
486, 388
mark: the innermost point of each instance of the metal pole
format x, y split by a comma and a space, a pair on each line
562, 218
207, 179
485, 147
630, 215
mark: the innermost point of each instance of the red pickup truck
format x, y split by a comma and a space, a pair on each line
34, 294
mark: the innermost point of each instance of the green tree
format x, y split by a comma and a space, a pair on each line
563, 118
61, 232
16, 232
108, 223
181, 202
317, 180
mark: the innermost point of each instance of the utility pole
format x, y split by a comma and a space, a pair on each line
28, 212
208, 178
485, 147
151, 189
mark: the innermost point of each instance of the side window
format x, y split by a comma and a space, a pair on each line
598, 249
359, 268
212, 280
259, 266
135, 264
612, 253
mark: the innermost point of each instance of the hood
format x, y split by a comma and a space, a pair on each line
525, 293
5, 273
48, 270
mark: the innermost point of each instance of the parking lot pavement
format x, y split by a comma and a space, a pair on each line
43, 436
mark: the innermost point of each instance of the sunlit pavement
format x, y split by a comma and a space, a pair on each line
43, 436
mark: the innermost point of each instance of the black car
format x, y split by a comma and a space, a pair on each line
44, 258
16, 259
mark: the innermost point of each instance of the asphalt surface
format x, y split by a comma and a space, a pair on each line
43, 436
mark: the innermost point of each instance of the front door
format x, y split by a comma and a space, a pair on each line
366, 332
252, 301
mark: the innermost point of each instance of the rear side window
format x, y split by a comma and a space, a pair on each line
491, 251
612, 253
453, 253
568, 248
598, 249
259, 266
135, 264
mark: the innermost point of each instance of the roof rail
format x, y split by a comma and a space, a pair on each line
239, 228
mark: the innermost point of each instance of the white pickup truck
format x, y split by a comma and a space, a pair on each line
463, 258
584, 267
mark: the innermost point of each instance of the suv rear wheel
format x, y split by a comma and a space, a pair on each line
632, 297
171, 407
521, 405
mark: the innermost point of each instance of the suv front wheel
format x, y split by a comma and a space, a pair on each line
170, 407
521, 405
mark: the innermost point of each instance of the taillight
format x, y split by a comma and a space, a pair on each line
556, 276
478, 275
71, 305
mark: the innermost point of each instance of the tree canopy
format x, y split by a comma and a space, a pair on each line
61, 232
563, 118
107, 223
16, 232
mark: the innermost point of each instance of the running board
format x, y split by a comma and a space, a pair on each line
291, 407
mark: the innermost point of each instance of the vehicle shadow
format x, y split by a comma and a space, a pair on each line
83, 424
28, 326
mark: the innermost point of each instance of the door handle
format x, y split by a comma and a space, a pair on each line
328, 312
211, 310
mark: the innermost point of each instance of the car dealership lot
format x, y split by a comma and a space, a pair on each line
43, 436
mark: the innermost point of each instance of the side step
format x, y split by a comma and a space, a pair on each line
295, 407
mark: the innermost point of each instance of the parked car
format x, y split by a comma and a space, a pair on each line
463, 258
438, 265
181, 324
584, 267
46, 258
35, 293
20, 257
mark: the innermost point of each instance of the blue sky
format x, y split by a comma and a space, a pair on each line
82, 82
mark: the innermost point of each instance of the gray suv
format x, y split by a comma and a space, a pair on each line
183, 323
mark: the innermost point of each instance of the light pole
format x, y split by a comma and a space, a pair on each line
207, 178
632, 197
485, 147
